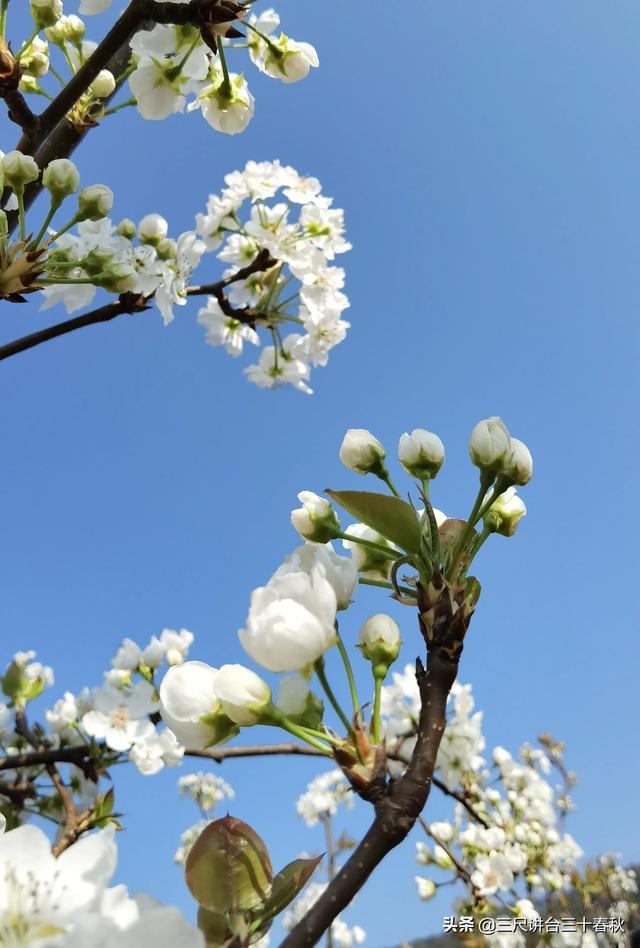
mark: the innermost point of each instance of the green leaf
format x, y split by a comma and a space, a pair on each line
390, 516
286, 885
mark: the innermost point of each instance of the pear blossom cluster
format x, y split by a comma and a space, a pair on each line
178, 68
278, 255
323, 796
174, 67
288, 219
206, 790
69, 898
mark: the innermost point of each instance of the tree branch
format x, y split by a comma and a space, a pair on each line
129, 303
397, 804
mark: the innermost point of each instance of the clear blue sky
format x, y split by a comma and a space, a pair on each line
487, 157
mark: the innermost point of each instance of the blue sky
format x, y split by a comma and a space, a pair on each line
486, 155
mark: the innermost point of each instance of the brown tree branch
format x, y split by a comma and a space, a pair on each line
66, 796
397, 804
128, 303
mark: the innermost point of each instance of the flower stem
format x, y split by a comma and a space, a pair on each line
20, 198
349, 672
3, 18
387, 480
383, 584
27, 43
52, 209
378, 547
486, 481
226, 84
375, 721
326, 687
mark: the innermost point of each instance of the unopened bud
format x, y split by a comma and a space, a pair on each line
519, 467
490, 445
67, 29
34, 61
316, 520
126, 228
361, 452
167, 249
97, 261
426, 888
152, 229
504, 515
380, 641
421, 453
61, 178
94, 202
104, 84
45, 12
298, 703
118, 278
19, 170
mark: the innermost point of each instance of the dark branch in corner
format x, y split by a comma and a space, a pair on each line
129, 303
51, 135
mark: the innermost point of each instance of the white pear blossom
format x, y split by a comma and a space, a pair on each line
189, 703
120, 718
227, 108
156, 750
205, 789
339, 571
322, 797
224, 330
291, 620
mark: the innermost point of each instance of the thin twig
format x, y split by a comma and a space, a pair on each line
129, 303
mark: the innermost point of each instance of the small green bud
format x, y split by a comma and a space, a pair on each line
94, 202
505, 513
118, 278
126, 228
45, 12
97, 261
61, 178
19, 170
380, 642
167, 249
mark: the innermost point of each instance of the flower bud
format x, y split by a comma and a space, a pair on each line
421, 453
298, 703
167, 249
519, 467
126, 228
61, 178
244, 695
316, 520
97, 261
118, 278
104, 84
94, 202
490, 445
45, 12
228, 869
67, 29
380, 641
191, 708
367, 561
152, 229
505, 513
34, 61
426, 888
19, 170
361, 452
